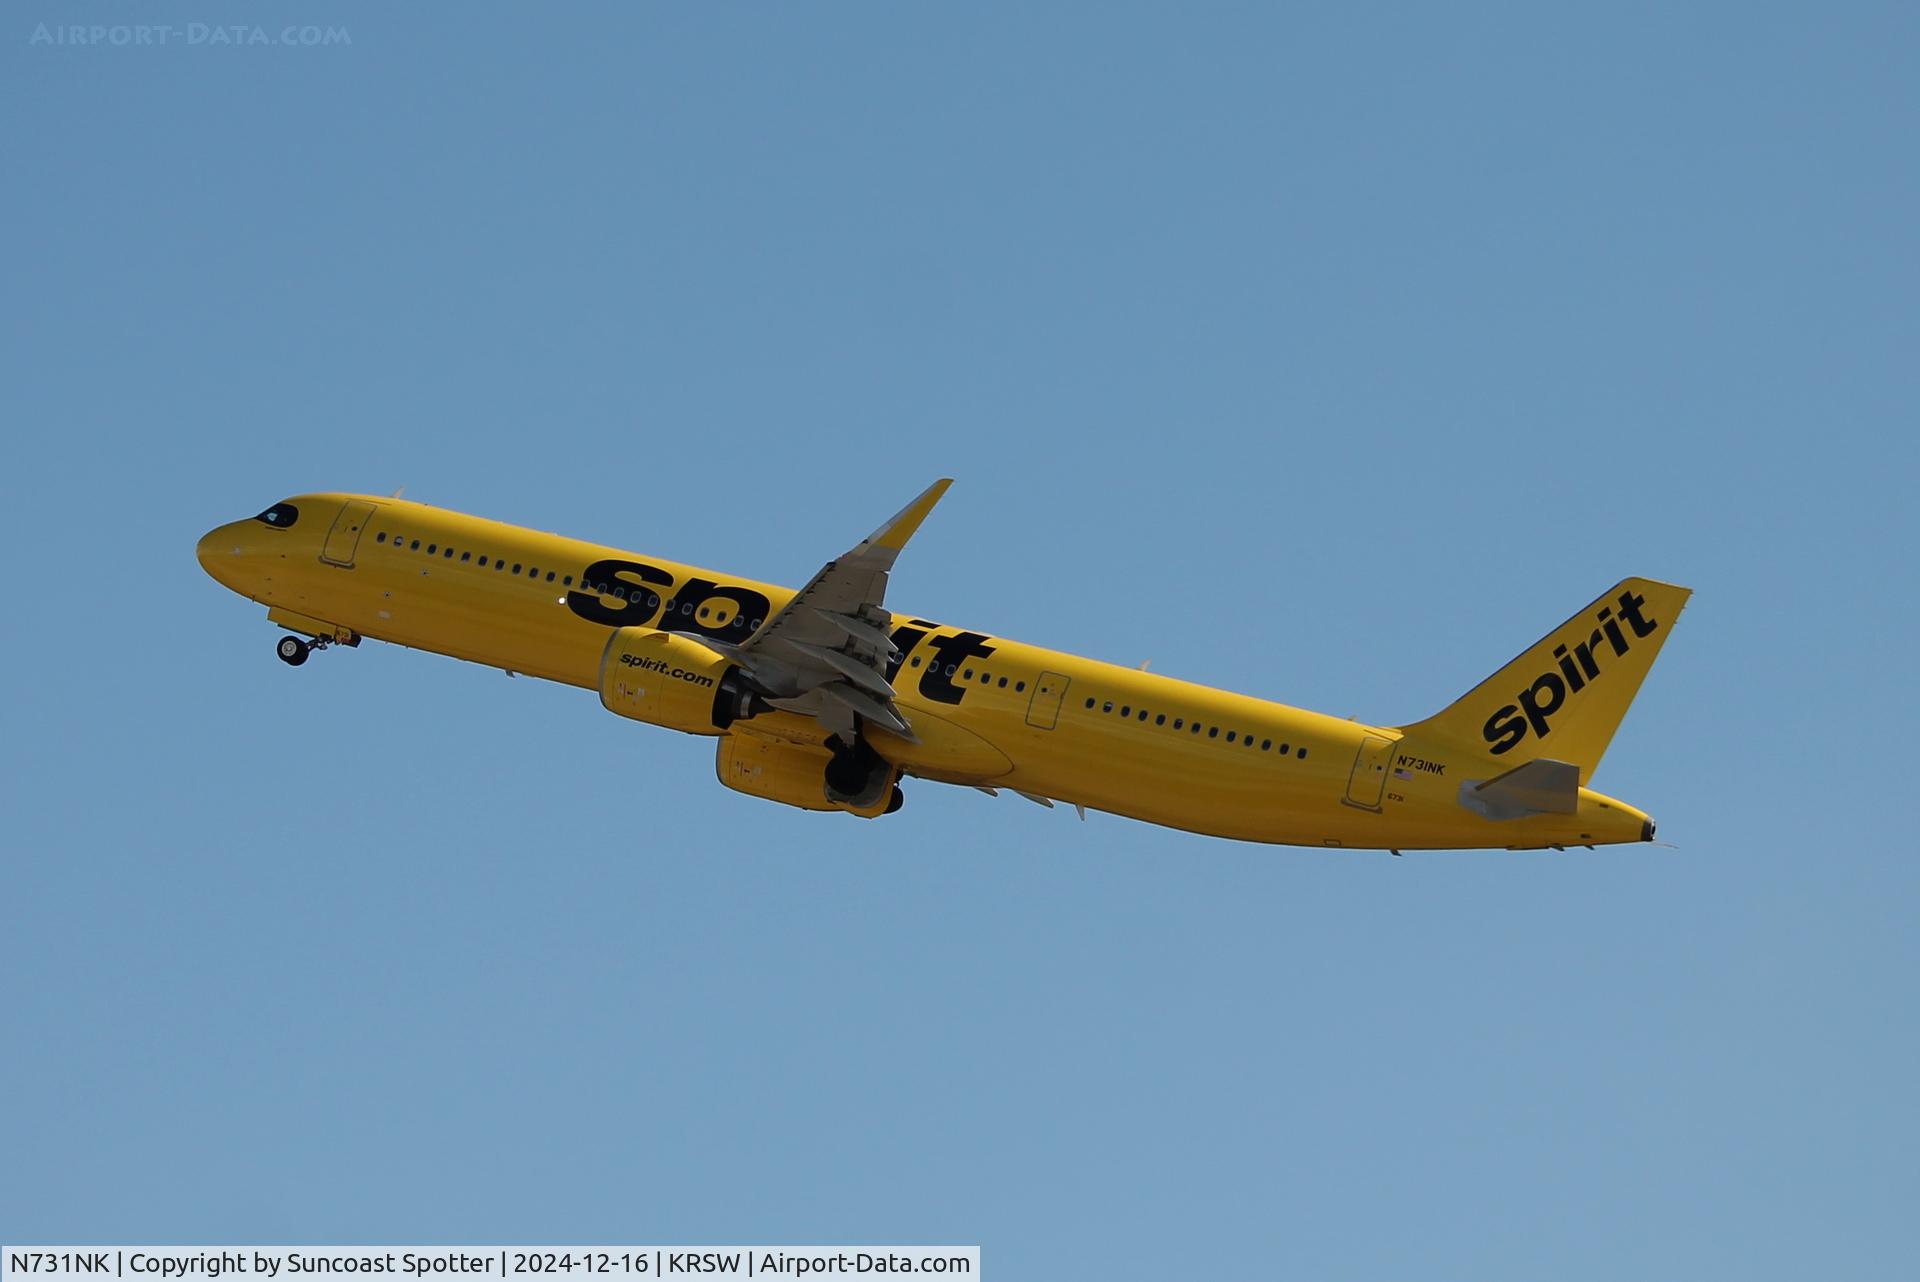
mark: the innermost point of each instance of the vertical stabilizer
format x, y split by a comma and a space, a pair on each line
1563, 698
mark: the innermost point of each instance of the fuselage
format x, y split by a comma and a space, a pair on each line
987, 711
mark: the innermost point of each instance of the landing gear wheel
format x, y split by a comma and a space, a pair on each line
292, 651
897, 800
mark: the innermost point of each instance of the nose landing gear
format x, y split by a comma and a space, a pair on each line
306, 634
293, 651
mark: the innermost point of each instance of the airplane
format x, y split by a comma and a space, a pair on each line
824, 699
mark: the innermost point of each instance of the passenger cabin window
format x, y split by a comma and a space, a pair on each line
279, 516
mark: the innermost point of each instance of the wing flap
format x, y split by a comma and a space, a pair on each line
881, 714
858, 629
849, 667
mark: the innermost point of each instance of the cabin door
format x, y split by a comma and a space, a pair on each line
1369, 778
344, 537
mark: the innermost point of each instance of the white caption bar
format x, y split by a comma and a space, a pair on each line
305, 1263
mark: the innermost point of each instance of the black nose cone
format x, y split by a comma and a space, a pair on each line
1646, 831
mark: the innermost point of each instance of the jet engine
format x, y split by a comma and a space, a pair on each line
665, 679
803, 776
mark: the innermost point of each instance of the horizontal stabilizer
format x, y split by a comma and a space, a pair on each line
1540, 787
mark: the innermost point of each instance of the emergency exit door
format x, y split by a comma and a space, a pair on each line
1043, 710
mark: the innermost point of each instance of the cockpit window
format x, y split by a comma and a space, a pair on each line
280, 515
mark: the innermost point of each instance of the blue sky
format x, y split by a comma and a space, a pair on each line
1329, 353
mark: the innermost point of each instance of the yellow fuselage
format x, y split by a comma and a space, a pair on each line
1007, 715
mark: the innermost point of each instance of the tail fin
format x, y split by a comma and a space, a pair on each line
1563, 698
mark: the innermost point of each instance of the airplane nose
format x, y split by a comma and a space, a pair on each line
215, 554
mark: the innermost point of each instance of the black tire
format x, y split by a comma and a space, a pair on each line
292, 651
897, 800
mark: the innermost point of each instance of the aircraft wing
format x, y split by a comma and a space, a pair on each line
826, 652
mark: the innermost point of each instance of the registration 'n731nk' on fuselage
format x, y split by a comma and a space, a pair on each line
825, 699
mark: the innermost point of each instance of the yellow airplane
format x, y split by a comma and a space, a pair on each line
824, 699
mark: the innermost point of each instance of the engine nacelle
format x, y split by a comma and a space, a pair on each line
793, 774
664, 679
